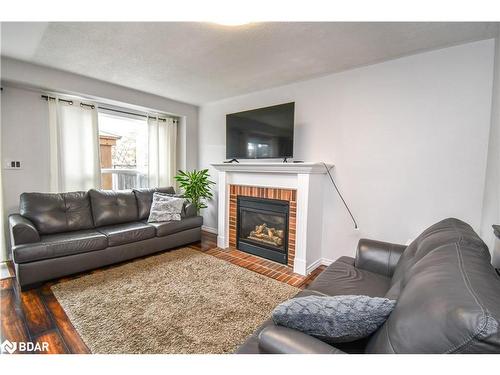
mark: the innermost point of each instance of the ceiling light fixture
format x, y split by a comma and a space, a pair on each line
232, 22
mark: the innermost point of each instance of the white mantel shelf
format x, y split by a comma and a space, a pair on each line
273, 167
307, 179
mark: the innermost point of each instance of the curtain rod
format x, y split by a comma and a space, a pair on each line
46, 97
70, 102
132, 113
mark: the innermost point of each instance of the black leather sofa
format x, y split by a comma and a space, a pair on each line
61, 234
447, 292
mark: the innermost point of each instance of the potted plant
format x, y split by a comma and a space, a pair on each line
196, 187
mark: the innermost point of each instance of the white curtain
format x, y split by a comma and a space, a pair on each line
162, 151
74, 146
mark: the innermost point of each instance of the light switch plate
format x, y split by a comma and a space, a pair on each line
13, 164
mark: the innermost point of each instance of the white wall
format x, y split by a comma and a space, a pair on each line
24, 122
408, 138
491, 203
24, 137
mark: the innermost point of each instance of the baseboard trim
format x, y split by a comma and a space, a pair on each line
209, 229
313, 266
326, 262
319, 262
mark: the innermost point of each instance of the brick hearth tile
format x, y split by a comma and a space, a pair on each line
277, 267
296, 281
288, 277
281, 277
252, 267
260, 269
213, 252
276, 274
268, 272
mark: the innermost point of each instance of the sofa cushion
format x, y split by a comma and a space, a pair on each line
113, 207
59, 245
145, 198
120, 234
448, 296
342, 278
57, 212
170, 227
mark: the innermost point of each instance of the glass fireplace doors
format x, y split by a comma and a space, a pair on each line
262, 227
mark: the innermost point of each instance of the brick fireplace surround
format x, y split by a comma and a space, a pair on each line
301, 184
289, 195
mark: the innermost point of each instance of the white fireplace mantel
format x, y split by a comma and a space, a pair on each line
308, 179
293, 168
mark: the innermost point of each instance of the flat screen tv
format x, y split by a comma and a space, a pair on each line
262, 133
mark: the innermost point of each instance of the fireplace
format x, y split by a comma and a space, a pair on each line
262, 227
299, 184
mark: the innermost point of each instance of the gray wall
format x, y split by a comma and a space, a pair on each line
491, 203
24, 121
408, 138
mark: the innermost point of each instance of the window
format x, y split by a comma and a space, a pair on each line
107, 148
123, 146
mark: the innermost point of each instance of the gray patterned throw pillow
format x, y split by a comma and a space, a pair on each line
165, 208
334, 319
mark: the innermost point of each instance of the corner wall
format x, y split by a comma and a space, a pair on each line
408, 138
491, 202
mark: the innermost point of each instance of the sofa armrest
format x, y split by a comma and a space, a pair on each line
282, 340
190, 210
22, 230
377, 256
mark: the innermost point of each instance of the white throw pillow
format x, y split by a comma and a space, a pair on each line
165, 208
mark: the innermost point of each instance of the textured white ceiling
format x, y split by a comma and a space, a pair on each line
203, 62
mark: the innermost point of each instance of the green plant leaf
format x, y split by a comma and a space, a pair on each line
196, 186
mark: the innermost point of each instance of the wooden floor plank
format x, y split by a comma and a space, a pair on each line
71, 337
13, 325
55, 343
36, 316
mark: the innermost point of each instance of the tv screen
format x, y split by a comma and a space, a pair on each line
262, 133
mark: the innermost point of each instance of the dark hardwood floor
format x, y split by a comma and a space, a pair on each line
36, 316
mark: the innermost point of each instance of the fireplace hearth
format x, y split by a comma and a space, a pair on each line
262, 227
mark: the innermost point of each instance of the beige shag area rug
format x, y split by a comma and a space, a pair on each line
181, 301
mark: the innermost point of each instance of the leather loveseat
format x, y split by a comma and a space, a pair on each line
447, 292
60, 234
